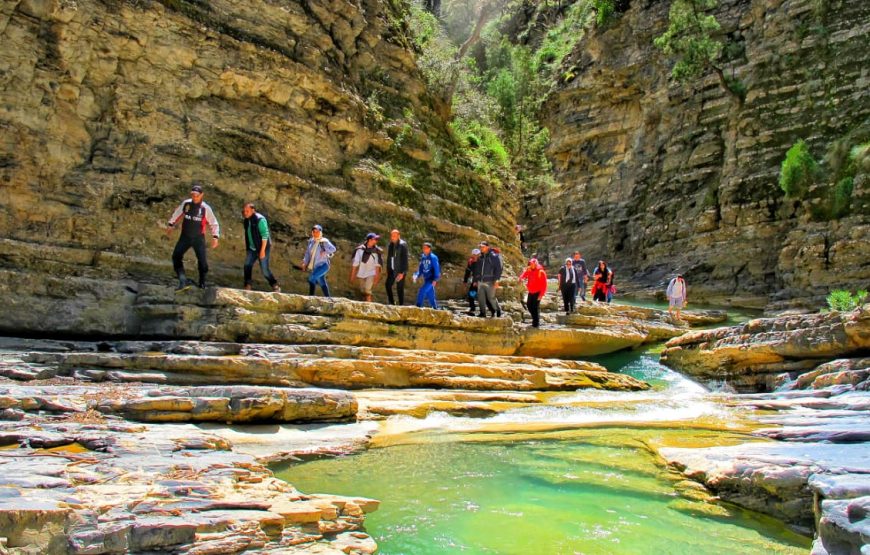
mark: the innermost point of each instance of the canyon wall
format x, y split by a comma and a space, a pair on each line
314, 110
657, 177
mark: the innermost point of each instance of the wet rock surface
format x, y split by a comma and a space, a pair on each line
114, 487
817, 475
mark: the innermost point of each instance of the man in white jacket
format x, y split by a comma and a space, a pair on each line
196, 216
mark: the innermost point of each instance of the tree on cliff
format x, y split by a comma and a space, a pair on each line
690, 37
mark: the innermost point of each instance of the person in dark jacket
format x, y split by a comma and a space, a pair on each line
472, 277
397, 267
568, 280
195, 216
600, 282
429, 271
583, 273
490, 273
258, 246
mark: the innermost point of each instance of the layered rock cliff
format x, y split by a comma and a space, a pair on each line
315, 111
658, 177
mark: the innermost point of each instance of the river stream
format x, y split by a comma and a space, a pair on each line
575, 474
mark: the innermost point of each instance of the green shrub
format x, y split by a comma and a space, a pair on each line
842, 197
604, 9
799, 170
844, 301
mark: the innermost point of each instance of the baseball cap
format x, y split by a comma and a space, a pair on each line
427, 244
475, 251
196, 189
372, 236
484, 243
317, 227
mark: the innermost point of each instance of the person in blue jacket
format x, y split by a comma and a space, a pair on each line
430, 271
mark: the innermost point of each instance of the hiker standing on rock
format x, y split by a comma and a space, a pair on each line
365, 269
580, 267
490, 273
536, 284
429, 271
397, 267
568, 280
196, 216
677, 294
600, 282
472, 277
318, 255
258, 246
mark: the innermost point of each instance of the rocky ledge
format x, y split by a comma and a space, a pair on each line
88, 485
817, 473
765, 353
345, 367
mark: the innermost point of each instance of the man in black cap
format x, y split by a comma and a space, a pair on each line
365, 269
196, 216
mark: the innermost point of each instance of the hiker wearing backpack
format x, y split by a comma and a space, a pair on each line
195, 216
318, 255
490, 273
429, 271
365, 270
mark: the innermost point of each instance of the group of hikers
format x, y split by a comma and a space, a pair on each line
482, 273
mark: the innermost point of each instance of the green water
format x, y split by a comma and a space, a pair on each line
587, 495
576, 474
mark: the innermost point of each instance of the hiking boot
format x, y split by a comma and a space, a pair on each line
248, 287
276, 288
498, 313
470, 312
201, 285
183, 285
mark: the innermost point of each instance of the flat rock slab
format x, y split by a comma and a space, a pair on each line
844, 527
159, 488
379, 404
228, 403
345, 367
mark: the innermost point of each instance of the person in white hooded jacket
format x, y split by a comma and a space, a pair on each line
677, 294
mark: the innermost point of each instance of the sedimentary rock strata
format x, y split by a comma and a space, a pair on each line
760, 354
658, 177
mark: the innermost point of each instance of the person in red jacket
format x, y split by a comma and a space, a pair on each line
536, 284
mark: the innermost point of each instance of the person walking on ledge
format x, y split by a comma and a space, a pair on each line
196, 216
318, 255
430, 272
365, 270
568, 280
472, 277
397, 267
536, 284
583, 273
258, 246
600, 282
490, 273
677, 294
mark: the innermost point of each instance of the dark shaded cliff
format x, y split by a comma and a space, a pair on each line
658, 178
315, 110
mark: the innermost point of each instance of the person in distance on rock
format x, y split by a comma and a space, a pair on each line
472, 277
365, 271
677, 294
258, 246
196, 216
429, 271
568, 280
580, 267
535, 278
490, 273
600, 282
397, 266
611, 286
318, 256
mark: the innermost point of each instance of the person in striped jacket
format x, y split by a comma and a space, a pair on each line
196, 217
